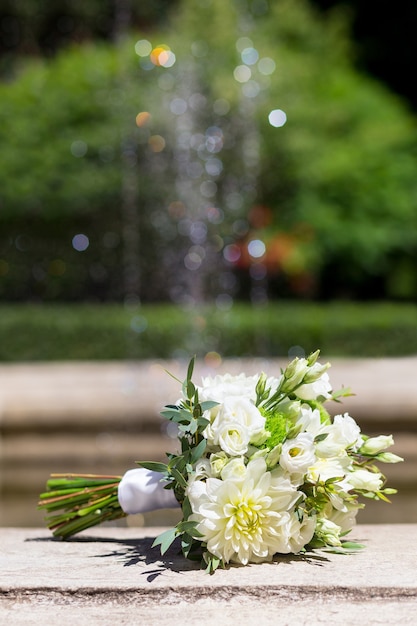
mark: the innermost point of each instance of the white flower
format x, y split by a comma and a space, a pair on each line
225, 386
243, 519
328, 532
309, 420
374, 445
237, 423
298, 454
232, 437
346, 519
217, 463
235, 469
366, 480
298, 533
331, 467
319, 388
344, 433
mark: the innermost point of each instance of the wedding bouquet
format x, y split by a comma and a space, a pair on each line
262, 469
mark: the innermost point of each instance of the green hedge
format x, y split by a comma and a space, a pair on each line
86, 332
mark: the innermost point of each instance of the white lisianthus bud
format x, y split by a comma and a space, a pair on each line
273, 456
315, 372
366, 480
294, 374
389, 457
373, 445
328, 532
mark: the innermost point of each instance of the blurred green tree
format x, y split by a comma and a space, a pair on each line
159, 151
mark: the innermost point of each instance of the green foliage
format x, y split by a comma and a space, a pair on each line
36, 333
337, 182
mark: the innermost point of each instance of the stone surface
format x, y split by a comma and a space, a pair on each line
384, 389
109, 575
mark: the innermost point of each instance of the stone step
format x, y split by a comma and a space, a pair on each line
112, 575
59, 395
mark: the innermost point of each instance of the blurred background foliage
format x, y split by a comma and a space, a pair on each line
139, 162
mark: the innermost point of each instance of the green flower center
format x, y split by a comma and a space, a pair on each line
277, 425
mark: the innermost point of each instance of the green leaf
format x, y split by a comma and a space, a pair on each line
165, 539
179, 477
203, 423
198, 451
161, 468
208, 404
188, 527
190, 389
190, 369
170, 413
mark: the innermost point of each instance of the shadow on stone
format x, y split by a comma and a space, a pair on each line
140, 551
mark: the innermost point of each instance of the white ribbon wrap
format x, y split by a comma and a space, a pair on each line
141, 490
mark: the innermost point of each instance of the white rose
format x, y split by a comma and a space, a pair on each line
346, 519
298, 533
319, 388
298, 454
332, 467
217, 463
242, 417
224, 386
233, 438
344, 433
309, 420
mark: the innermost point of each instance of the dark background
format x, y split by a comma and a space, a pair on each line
383, 31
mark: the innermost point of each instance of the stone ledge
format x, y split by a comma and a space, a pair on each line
113, 573
87, 392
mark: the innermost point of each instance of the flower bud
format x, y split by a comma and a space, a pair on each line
294, 374
315, 372
389, 457
373, 445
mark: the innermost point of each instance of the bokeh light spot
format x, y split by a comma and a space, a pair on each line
162, 56
156, 143
242, 73
249, 56
80, 242
232, 253
256, 248
213, 359
143, 47
138, 324
143, 118
178, 106
79, 148
277, 118
242, 43
266, 66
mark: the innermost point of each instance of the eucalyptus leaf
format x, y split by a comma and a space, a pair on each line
154, 466
165, 539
